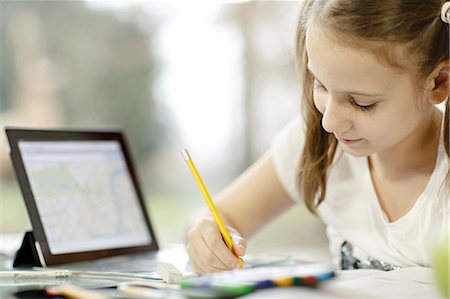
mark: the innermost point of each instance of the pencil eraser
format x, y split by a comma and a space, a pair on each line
168, 272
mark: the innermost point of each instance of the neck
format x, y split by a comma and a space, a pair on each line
421, 147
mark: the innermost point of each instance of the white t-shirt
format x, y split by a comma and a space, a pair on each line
351, 210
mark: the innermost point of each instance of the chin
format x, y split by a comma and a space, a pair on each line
356, 153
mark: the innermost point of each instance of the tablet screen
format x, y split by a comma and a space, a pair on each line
84, 195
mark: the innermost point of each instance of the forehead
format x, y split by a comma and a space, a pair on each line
342, 64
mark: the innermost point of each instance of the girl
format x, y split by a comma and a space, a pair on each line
370, 156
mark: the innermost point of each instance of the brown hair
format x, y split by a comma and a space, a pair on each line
376, 26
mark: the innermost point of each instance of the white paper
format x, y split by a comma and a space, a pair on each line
414, 282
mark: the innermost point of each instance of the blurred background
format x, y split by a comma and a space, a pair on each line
216, 78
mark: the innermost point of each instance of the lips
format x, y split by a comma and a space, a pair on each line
348, 141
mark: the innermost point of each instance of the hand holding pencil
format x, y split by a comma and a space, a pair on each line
226, 259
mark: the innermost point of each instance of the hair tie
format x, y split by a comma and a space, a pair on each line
445, 12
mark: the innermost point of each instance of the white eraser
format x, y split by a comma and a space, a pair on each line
168, 272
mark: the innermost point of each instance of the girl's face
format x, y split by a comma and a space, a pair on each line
368, 106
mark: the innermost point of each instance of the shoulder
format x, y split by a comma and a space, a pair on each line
288, 142
286, 149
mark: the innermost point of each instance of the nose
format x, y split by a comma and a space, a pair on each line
335, 117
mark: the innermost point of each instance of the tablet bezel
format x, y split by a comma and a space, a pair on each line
15, 135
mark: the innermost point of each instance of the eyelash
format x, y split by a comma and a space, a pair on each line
363, 108
318, 86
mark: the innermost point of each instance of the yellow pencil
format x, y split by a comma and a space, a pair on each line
225, 235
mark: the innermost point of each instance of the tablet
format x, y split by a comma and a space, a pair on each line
82, 194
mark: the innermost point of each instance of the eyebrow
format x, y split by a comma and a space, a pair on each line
361, 93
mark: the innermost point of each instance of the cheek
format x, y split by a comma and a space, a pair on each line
383, 128
374, 130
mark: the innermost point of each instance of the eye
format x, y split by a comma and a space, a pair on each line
361, 107
319, 86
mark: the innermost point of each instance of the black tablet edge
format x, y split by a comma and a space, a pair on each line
16, 134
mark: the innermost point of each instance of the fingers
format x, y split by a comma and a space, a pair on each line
207, 250
204, 265
217, 246
200, 268
239, 245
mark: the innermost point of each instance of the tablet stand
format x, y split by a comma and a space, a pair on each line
27, 255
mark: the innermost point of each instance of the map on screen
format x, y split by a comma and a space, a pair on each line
84, 195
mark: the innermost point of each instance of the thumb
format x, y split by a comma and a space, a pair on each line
239, 245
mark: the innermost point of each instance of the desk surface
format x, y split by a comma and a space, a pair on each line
403, 283
412, 283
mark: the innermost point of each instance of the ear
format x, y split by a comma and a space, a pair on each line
438, 83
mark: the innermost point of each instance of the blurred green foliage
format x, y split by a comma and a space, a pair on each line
105, 69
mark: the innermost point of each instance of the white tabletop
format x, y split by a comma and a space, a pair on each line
415, 282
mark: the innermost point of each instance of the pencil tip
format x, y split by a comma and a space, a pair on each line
185, 154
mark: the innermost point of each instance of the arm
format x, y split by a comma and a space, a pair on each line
255, 198
252, 200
